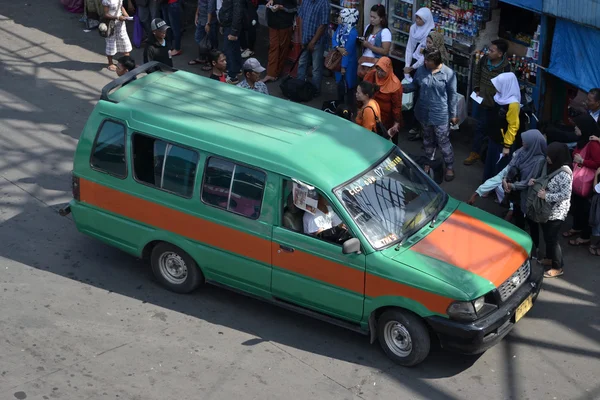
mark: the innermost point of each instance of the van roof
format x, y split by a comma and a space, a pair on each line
264, 131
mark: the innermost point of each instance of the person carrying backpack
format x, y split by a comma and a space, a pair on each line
548, 203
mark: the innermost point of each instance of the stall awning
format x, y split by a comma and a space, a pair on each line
575, 56
533, 5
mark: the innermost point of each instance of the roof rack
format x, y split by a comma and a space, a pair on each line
147, 68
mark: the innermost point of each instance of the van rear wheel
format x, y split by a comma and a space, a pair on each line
175, 269
403, 337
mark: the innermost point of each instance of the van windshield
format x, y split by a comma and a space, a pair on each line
391, 200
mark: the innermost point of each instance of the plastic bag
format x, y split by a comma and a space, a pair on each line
204, 45
407, 98
138, 31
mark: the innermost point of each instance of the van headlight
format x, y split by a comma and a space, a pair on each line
470, 310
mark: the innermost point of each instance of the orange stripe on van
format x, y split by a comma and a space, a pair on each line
175, 221
250, 246
377, 286
473, 245
320, 269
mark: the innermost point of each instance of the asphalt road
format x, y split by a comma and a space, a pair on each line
81, 320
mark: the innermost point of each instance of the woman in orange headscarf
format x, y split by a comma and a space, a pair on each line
389, 96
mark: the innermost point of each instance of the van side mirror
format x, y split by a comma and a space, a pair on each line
351, 246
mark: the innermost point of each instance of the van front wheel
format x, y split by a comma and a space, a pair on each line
175, 269
403, 337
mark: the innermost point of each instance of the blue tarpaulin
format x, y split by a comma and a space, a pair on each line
575, 55
533, 5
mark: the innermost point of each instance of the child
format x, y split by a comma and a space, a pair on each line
219, 65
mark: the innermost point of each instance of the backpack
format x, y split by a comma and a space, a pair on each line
539, 210
295, 89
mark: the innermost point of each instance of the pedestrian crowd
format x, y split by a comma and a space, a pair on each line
540, 177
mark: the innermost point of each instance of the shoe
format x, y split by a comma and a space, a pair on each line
247, 53
414, 131
472, 159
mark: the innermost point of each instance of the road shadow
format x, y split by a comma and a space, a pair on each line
63, 251
74, 65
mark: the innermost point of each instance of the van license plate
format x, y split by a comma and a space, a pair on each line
523, 308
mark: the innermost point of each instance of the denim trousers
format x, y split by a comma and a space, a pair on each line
481, 117
172, 15
232, 51
317, 64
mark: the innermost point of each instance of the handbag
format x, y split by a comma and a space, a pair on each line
333, 61
295, 89
106, 27
379, 128
583, 177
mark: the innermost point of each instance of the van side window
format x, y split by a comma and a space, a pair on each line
108, 154
164, 165
233, 187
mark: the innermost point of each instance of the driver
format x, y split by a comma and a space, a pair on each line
324, 218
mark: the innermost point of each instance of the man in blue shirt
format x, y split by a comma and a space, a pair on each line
436, 106
315, 18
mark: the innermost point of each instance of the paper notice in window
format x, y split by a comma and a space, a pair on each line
478, 99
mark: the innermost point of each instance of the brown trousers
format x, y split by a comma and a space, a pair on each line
279, 48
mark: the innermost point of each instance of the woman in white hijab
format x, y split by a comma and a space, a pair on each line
417, 39
504, 123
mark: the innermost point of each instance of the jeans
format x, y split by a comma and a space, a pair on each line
172, 16
481, 116
317, 65
580, 207
145, 19
231, 48
213, 37
550, 230
492, 165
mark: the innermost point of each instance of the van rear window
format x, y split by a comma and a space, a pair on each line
108, 154
164, 165
233, 187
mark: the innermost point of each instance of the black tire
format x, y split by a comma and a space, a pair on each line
175, 269
415, 344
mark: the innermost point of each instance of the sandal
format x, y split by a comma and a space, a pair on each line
449, 177
553, 273
175, 53
579, 242
571, 232
594, 250
196, 62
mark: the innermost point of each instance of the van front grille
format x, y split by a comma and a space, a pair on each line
515, 281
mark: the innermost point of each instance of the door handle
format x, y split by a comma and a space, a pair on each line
286, 248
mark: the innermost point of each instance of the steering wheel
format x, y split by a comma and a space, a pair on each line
337, 234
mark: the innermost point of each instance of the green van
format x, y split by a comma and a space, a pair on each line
213, 183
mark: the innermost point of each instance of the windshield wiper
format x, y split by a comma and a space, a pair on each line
436, 214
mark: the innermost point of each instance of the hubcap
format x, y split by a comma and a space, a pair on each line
397, 339
173, 268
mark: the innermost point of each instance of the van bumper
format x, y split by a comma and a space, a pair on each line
478, 336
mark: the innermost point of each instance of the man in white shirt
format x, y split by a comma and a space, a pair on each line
324, 218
